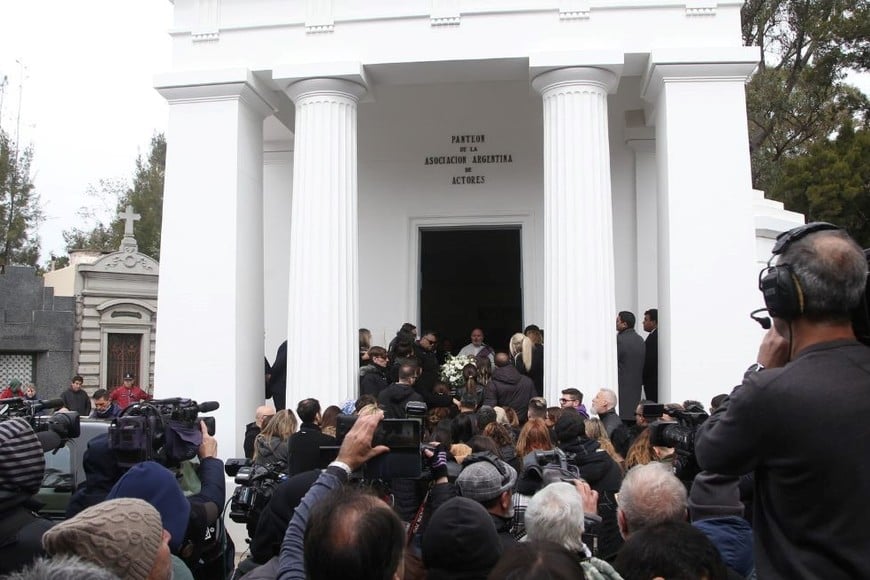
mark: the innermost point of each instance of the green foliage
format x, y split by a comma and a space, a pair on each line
798, 96
20, 212
831, 182
146, 197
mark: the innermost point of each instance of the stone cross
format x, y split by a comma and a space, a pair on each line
129, 217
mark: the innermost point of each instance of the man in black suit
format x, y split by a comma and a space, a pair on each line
305, 444
651, 358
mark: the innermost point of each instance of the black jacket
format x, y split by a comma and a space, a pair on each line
251, 432
603, 475
372, 380
393, 399
21, 536
536, 373
508, 388
78, 401
617, 431
800, 428
305, 447
272, 525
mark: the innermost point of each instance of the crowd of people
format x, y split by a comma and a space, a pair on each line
511, 485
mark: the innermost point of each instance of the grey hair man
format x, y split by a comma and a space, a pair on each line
557, 513
650, 494
604, 405
810, 359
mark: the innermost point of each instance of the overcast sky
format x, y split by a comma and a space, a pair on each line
88, 106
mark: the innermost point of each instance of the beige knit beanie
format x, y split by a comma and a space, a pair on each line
123, 535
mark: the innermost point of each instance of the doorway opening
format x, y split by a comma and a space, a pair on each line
471, 277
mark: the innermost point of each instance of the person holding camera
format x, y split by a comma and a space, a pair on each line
22, 467
800, 410
372, 547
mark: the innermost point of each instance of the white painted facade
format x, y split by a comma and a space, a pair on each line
297, 183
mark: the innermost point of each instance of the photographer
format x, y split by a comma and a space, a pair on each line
193, 524
372, 548
22, 466
800, 410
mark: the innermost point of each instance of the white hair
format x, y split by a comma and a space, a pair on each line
555, 514
611, 397
65, 567
651, 494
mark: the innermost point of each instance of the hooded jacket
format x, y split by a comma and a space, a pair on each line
394, 398
509, 388
372, 380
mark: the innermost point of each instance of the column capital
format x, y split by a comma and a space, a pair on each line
325, 86
586, 76
337, 77
711, 64
217, 85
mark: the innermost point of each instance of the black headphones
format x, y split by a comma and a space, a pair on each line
782, 291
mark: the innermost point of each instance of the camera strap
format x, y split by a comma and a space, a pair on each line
417, 520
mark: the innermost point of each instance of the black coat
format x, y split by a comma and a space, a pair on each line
305, 447
394, 398
372, 380
251, 432
278, 379
536, 372
651, 366
508, 388
603, 475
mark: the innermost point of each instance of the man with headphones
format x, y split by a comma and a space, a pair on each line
801, 415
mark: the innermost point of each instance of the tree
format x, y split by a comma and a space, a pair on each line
20, 212
831, 182
798, 96
146, 197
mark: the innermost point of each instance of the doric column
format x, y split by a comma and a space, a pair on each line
579, 297
323, 298
706, 238
210, 319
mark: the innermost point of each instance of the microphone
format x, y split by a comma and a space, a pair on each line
208, 406
764, 321
48, 404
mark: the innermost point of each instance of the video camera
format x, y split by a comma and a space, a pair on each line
166, 431
551, 466
254, 487
65, 425
680, 435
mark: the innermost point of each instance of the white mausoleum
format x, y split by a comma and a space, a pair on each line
593, 154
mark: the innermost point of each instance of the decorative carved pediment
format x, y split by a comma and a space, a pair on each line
127, 261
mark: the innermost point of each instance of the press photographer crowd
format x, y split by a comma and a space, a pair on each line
456, 466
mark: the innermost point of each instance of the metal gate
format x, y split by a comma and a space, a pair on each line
124, 353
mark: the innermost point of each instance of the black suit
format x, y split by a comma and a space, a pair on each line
651, 366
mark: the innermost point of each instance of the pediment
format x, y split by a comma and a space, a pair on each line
125, 261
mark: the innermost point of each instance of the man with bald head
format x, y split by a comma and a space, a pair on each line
477, 347
791, 419
509, 388
261, 417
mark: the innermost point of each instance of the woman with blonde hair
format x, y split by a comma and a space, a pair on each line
272, 445
595, 430
528, 358
534, 436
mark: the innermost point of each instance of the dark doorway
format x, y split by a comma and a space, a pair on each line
471, 278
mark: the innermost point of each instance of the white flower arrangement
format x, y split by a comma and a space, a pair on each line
451, 370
